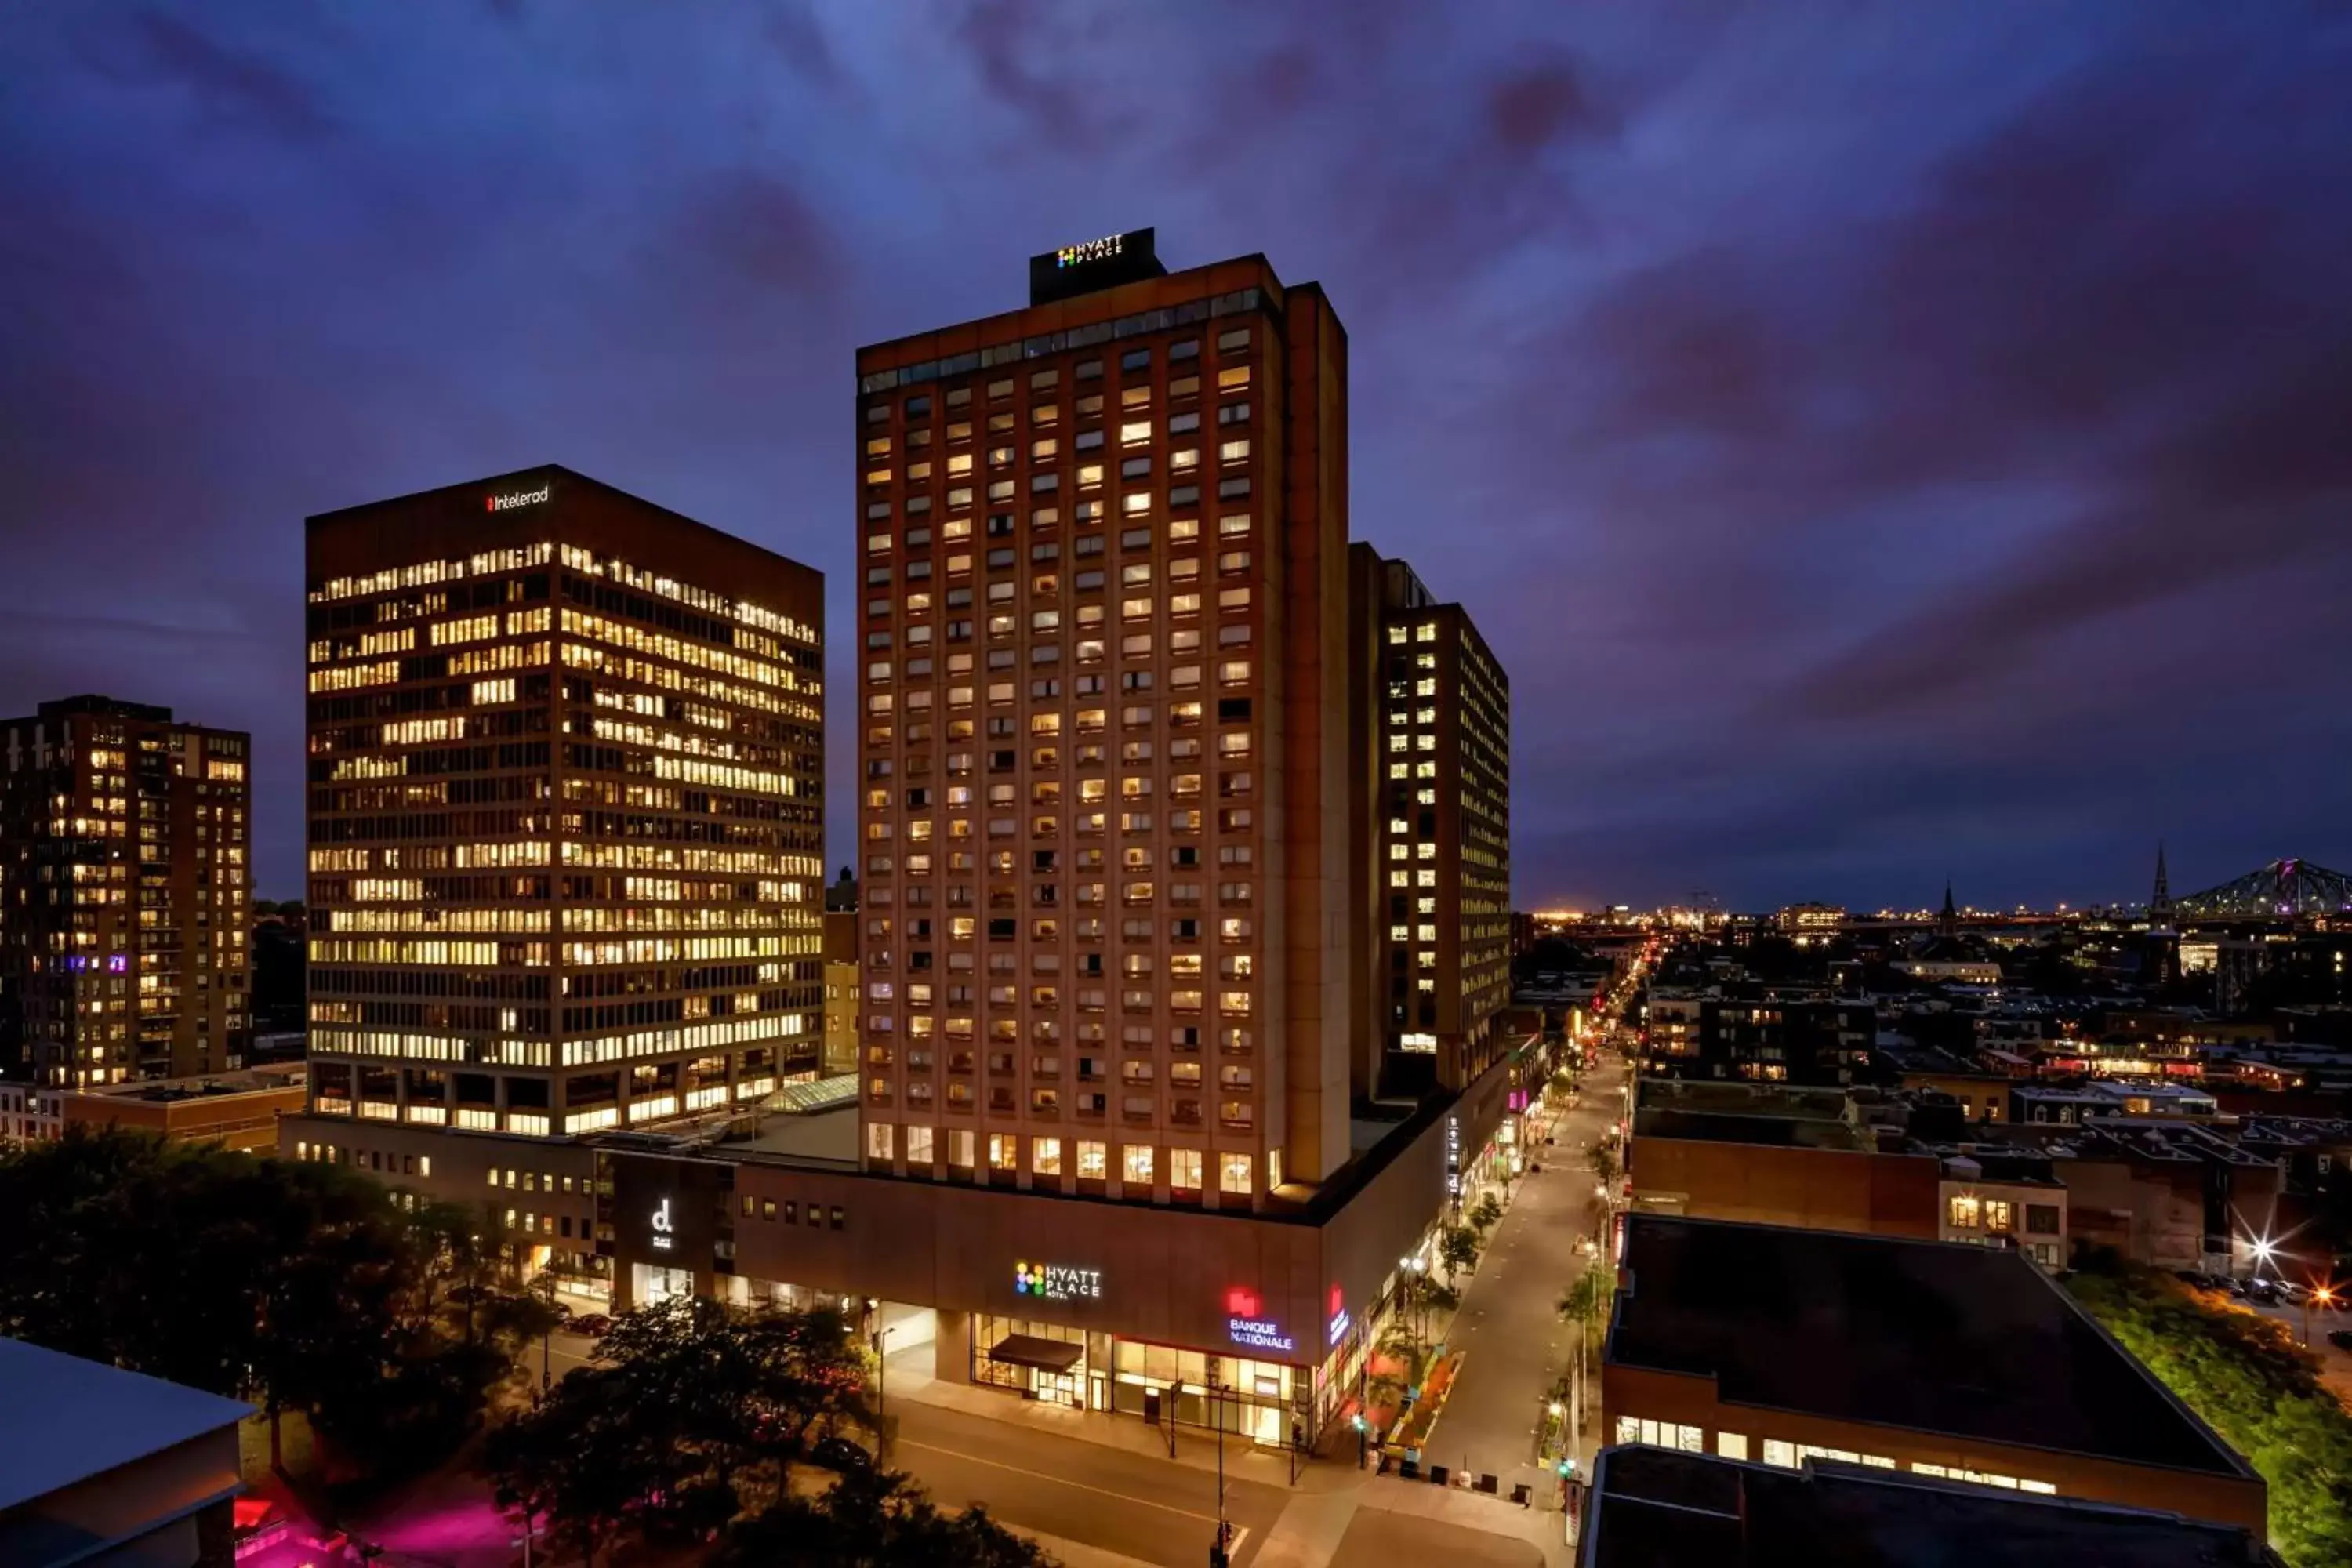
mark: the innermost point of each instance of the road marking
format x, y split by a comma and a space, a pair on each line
1056, 1480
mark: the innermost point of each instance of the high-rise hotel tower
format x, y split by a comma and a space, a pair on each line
1122, 791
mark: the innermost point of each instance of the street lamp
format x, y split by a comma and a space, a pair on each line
2323, 1294
881, 1371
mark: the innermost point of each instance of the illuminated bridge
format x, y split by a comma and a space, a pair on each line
2281, 890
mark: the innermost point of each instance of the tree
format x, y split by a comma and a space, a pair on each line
1604, 1162
575, 1461
1486, 1214
1588, 1301
873, 1519
691, 1415
1457, 1247
297, 1285
2242, 1374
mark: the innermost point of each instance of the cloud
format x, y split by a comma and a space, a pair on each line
1873, 450
1531, 108
764, 229
232, 89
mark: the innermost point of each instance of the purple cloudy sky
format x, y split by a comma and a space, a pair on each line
1881, 441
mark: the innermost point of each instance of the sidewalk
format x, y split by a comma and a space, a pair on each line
1195, 1447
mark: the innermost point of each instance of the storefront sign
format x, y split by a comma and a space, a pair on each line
1258, 1334
1453, 1156
1056, 1282
664, 1230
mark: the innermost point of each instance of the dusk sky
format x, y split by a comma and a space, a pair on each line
1881, 442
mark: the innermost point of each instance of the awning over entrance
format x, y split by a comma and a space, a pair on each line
1045, 1356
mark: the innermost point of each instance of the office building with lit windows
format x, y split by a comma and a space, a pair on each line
1119, 1131
125, 896
565, 777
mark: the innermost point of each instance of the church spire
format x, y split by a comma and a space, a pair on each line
1948, 922
2159, 903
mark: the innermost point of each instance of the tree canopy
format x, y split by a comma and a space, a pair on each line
2243, 1374
297, 1286
690, 1416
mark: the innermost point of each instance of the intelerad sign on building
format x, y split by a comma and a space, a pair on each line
514, 498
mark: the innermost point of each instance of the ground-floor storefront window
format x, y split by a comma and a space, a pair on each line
1260, 1400
1266, 1402
1045, 1361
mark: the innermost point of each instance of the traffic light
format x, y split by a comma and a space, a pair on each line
1567, 1465
1360, 1421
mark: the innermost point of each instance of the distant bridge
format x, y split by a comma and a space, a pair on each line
2281, 890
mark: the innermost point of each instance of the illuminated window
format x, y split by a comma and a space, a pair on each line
1045, 1156
1234, 1173
1184, 1170
1135, 1161
878, 1140
1094, 1159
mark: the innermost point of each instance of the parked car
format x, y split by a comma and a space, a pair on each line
595, 1325
2340, 1338
2263, 1292
838, 1453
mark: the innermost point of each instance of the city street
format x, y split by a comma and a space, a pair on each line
1509, 1327
1146, 1507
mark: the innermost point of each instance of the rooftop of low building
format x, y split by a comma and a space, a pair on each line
243, 1081
1782, 1115
1660, 1505
67, 1419
1969, 1341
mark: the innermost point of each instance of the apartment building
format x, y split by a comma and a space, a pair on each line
841, 993
565, 789
125, 894
1442, 829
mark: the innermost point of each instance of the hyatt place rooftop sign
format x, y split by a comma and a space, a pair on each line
1091, 264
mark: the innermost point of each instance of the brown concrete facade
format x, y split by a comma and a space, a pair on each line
1820, 1189
1318, 1275
536, 1196
1646, 1394
1105, 815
